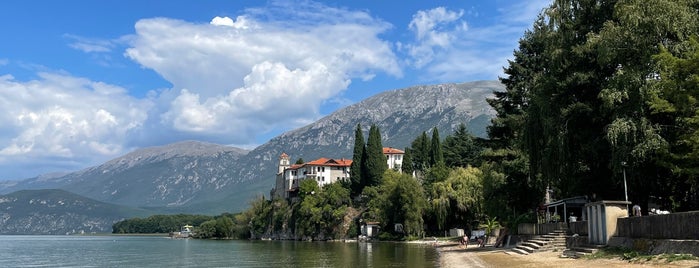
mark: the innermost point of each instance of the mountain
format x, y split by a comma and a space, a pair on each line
58, 212
196, 177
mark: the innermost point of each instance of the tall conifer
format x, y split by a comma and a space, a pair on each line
356, 167
375, 162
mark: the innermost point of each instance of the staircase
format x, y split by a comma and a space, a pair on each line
577, 252
554, 241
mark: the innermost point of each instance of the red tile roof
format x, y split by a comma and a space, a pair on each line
325, 162
389, 150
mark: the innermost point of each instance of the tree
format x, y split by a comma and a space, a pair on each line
408, 166
458, 199
674, 109
399, 200
421, 152
356, 168
299, 161
374, 162
436, 155
460, 149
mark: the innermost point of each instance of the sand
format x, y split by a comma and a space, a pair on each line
454, 255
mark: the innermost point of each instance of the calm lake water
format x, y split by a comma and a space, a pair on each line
148, 251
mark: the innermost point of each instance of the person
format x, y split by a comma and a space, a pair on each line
464, 240
481, 241
636, 210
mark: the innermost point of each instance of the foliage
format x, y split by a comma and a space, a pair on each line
458, 199
632, 255
460, 149
420, 150
356, 167
322, 210
158, 224
585, 94
408, 167
399, 200
373, 161
436, 154
490, 225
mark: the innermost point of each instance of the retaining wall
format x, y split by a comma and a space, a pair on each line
682, 225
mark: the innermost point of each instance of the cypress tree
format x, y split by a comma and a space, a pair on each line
356, 184
436, 155
420, 152
374, 162
407, 166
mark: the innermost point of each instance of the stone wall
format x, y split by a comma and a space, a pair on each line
669, 226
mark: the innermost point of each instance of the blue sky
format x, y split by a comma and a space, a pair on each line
82, 82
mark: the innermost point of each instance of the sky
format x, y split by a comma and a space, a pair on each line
83, 82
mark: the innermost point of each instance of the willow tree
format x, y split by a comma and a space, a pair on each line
639, 131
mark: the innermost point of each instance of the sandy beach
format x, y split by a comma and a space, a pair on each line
453, 255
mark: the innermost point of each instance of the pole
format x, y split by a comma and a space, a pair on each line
626, 192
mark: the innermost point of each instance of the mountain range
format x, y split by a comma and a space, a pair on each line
204, 178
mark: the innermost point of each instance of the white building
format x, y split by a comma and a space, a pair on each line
394, 158
323, 170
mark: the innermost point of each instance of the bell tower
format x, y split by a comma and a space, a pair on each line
284, 163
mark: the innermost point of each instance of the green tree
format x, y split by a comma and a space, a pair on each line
408, 166
400, 200
357, 184
436, 155
374, 161
460, 149
674, 109
458, 199
421, 152
299, 161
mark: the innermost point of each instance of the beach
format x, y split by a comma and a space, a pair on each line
452, 255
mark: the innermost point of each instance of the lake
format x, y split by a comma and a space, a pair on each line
156, 251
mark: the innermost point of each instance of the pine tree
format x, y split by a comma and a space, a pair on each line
356, 167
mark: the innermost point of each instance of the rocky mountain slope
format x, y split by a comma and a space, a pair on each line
195, 177
58, 212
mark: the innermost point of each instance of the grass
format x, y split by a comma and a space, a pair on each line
638, 257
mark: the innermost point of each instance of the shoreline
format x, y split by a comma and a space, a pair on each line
453, 255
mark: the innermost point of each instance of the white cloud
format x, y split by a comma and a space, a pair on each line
434, 29
447, 48
240, 23
90, 45
65, 118
268, 68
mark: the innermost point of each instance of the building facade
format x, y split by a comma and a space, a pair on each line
394, 158
323, 170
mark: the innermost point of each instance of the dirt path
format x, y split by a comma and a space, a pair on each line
454, 255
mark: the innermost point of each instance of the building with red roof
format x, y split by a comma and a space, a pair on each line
323, 170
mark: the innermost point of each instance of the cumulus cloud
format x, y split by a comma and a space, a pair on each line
65, 118
448, 48
267, 68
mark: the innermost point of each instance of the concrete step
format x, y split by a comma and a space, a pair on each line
519, 251
539, 242
530, 244
526, 248
585, 250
